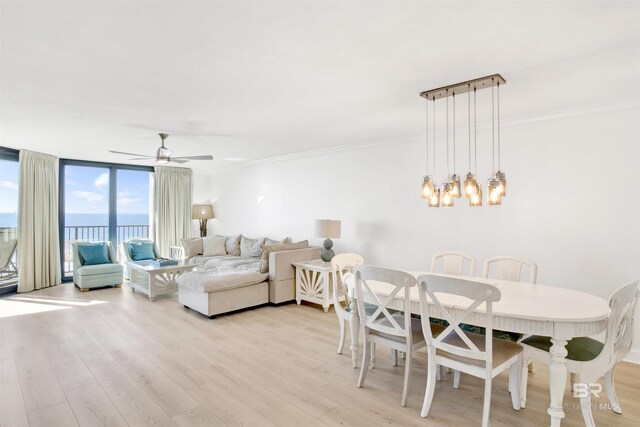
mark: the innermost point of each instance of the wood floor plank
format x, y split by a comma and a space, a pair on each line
12, 408
40, 387
91, 405
199, 416
59, 415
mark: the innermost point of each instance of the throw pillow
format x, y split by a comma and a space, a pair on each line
141, 251
93, 254
298, 245
250, 248
214, 246
266, 250
192, 247
269, 241
232, 244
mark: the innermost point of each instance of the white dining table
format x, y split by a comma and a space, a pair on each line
525, 308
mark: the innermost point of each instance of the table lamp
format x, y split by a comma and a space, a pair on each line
327, 228
203, 213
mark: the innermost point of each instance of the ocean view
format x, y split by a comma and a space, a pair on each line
11, 219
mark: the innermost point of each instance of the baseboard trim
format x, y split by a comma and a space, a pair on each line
633, 357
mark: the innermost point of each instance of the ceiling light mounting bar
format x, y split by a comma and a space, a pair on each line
463, 87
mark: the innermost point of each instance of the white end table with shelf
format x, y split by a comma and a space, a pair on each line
315, 282
151, 280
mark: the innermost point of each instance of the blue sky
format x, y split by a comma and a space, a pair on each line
87, 191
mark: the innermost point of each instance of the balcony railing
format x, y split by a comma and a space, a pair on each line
96, 233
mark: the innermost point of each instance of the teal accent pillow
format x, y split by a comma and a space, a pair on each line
141, 251
93, 254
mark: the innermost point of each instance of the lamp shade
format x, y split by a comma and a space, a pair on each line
327, 228
202, 211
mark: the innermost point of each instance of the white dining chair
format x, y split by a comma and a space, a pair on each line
587, 359
342, 265
510, 268
479, 355
451, 262
396, 330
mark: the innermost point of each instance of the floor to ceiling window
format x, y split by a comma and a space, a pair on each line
8, 219
103, 202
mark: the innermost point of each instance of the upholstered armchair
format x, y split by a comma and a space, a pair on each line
95, 273
125, 251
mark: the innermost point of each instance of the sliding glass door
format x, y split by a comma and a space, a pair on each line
103, 202
8, 219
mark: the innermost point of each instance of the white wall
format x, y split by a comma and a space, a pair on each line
573, 201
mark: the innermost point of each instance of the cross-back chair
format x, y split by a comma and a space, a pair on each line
479, 355
510, 268
456, 263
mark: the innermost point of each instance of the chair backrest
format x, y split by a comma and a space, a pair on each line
126, 250
510, 268
619, 338
429, 286
7, 248
395, 284
342, 265
450, 262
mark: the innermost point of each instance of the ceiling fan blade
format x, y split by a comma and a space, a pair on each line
178, 160
209, 157
140, 158
132, 154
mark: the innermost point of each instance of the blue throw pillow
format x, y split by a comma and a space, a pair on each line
93, 254
141, 251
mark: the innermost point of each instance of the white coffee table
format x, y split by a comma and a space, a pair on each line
151, 280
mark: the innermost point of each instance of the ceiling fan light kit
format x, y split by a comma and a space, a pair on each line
452, 188
163, 155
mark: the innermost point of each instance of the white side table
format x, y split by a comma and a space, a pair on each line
152, 280
315, 282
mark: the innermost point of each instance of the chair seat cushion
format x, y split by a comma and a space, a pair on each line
416, 328
368, 308
581, 349
92, 270
503, 350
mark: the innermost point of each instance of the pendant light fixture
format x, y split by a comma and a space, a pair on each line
451, 189
447, 200
494, 188
470, 183
427, 181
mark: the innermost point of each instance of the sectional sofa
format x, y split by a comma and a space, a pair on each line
235, 272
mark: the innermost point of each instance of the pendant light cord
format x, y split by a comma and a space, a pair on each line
475, 132
448, 169
469, 121
434, 138
498, 125
493, 127
427, 133
454, 132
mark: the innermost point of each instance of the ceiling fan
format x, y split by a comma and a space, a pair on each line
163, 154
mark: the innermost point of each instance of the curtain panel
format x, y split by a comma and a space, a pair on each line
173, 206
38, 232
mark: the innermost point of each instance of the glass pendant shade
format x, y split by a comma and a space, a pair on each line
447, 198
500, 176
456, 188
494, 195
427, 187
434, 199
475, 199
470, 185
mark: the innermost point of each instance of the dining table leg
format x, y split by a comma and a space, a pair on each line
557, 379
354, 327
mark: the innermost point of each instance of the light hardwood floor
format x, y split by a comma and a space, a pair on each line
110, 357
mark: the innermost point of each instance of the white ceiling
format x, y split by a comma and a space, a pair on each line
255, 80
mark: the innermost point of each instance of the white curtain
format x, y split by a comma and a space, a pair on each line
38, 232
173, 206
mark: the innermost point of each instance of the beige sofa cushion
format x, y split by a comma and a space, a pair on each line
206, 281
192, 247
250, 247
267, 249
269, 241
214, 246
232, 244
